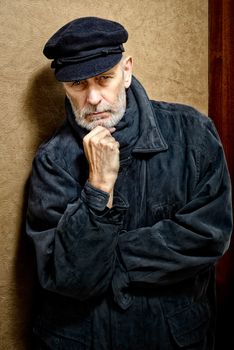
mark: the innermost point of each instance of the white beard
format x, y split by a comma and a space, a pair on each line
116, 111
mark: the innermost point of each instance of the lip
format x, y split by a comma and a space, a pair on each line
97, 116
97, 113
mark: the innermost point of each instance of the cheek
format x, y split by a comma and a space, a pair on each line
111, 95
78, 101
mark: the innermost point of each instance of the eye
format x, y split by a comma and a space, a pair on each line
104, 78
76, 83
79, 84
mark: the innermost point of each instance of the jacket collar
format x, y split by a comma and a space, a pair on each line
150, 137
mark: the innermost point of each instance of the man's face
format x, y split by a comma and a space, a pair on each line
100, 100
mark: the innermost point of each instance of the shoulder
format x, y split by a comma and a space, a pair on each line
63, 148
183, 123
181, 113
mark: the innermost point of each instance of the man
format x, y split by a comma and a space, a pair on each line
129, 207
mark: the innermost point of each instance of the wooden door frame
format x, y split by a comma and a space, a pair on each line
221, 110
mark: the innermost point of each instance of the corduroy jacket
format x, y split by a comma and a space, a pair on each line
141, 274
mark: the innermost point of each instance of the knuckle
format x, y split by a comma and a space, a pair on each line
95, 142
102, 142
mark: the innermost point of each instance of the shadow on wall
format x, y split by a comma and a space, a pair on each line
44, 109
44, 105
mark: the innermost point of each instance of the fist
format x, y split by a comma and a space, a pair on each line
102, 153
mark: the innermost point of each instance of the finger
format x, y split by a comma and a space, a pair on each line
107, 140
95, 136
100, 128
99, 131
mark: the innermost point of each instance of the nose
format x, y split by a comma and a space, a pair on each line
93, 96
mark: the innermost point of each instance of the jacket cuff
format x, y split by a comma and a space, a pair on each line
97, 200
94, 197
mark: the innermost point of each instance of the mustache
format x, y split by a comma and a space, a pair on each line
85, 111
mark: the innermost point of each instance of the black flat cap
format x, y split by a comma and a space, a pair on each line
85, 47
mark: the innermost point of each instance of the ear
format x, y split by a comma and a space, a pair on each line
127, 68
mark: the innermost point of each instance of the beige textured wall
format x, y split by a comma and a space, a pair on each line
168, 40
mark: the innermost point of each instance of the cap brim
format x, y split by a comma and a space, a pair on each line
87, 69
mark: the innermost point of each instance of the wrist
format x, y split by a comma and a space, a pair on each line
110, 201
101, 186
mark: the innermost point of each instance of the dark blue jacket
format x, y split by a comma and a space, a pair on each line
141, 274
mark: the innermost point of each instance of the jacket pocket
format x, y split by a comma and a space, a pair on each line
189, 325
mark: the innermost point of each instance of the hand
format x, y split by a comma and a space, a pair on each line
102, 153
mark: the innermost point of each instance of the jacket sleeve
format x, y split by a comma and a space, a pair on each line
73, 232
177, 248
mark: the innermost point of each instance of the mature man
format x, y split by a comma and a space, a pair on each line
129, 207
